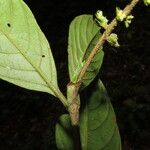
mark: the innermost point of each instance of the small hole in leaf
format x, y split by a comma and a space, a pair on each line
43, 56
8, 24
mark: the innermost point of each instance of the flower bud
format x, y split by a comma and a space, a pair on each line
113, 40
100, 19
128, 20
120, 16
147, 2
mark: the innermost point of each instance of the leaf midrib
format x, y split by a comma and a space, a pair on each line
39, 71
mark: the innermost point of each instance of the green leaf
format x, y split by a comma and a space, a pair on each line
95, 64
25, 55
64, 140
83, 35
98, 126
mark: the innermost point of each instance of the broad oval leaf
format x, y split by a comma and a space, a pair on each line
98, 126
25, 56
83, 35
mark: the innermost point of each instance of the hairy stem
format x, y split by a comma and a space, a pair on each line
72, 93
73, 109
127, 10
73, 102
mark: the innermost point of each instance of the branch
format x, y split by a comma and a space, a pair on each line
127, 10
72, 94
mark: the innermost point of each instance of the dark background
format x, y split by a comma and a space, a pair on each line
27, 118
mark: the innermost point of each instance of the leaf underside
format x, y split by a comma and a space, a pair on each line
98, 126
83, 35
25, 55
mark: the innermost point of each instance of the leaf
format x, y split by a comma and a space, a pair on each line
83, 35
98, 126
25, 56
95, 64
64, 140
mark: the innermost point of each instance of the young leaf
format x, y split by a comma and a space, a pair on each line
83, 35
25, 56
98, 126
64, 140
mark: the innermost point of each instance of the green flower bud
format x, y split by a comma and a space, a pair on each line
128, 20
147, 2
120, 16
100, 19
127, 23
113, 40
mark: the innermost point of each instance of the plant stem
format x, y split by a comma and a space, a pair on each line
73, 98
127, 10
62, 98
73, 102
73, 109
